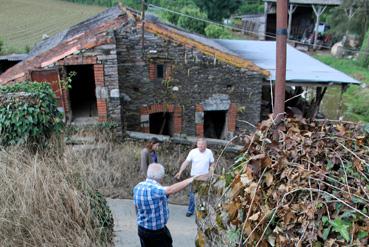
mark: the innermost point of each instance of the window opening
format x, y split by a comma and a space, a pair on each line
214, 124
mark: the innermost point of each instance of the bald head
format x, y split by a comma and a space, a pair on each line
155, 171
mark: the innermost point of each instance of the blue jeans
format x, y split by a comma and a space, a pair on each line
191, 203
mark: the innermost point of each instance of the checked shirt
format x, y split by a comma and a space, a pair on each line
151, 205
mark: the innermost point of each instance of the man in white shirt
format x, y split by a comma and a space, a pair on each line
202, 159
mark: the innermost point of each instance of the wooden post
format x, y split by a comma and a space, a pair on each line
318, 10
340, 104
291, 9
143, 25
281, 57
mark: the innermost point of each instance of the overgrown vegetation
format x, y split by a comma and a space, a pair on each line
303, 183
355, 98
28, 114
364, 52
46, 201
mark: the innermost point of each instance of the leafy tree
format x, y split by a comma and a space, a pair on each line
352, 16
190, 23
217, 10
217, 32
248, 7
364, 52
172, 5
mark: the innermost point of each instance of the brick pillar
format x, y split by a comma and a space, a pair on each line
144, 120
232, 118
152, 71
102, 110
177, 119
99, 75
102, 106
199, 120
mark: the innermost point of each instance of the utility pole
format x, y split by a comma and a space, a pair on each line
280, 84
143, 25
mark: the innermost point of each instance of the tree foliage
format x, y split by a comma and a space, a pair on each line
352, 16
217, 10
248, 7
364, 52
191, 24
217, 32
28, 114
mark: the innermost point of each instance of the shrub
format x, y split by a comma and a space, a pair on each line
190, 23
364, 52
217, 32
28, 114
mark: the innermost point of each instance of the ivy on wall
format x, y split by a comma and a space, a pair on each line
28, 114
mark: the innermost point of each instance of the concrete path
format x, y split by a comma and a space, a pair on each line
182, 228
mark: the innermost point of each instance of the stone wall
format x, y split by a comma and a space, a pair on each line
104, 60
189, 78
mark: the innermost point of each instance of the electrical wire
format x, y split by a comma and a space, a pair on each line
239, 29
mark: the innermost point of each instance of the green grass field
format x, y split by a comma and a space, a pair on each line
23, 22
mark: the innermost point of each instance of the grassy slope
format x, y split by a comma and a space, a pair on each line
23, 22
354, 98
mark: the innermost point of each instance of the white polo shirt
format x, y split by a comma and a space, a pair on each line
200, 161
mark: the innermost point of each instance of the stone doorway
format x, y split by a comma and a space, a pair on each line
215, 124
82, 94
161, 123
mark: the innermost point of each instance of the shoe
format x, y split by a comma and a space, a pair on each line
189, 214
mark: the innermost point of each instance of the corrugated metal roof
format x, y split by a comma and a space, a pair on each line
311, 2
301, 68
14, 57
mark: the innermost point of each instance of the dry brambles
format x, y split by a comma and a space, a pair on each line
305, 183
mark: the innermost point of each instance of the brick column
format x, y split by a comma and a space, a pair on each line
177, 119
199, 120
232, 118
144, 120
152, 71
102, 106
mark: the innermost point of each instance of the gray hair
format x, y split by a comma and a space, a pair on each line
155, 171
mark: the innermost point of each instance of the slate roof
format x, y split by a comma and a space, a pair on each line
13, 57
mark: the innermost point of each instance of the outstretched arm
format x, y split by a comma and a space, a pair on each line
183, 167
174, 188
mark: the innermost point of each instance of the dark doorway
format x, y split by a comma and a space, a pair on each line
82, 92
214, 123
161, 123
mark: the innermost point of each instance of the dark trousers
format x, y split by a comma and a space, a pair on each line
155, 238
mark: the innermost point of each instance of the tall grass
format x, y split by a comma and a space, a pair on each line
113, 168
45, 198
40, 204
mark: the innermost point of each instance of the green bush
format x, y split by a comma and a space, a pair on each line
364, 52
251, 8
217, 32
102, 216
28, 114
191, 24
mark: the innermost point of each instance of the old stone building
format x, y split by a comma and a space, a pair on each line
156, 78
165, 82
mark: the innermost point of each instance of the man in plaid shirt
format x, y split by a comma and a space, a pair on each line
151, 203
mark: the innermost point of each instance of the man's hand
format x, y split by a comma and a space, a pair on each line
178, 175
